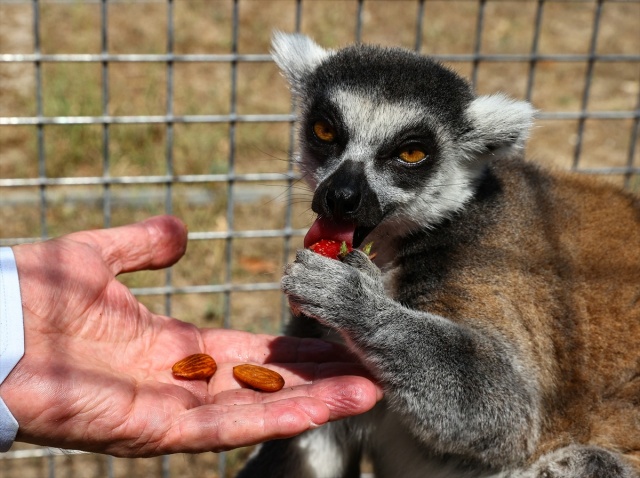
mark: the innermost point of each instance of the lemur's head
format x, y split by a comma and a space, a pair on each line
389, 139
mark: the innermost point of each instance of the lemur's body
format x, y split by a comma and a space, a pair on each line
504, 318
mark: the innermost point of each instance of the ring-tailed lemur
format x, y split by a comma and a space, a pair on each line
502, 315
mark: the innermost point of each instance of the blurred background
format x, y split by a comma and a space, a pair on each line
115, 110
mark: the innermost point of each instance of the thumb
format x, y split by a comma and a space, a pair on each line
155, 243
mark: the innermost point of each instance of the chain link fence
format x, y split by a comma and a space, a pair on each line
114, 110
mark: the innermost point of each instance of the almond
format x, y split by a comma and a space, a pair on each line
260, 378
195, 367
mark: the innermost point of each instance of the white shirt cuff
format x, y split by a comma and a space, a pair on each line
11, 337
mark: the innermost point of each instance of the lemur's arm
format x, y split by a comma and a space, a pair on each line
459, 390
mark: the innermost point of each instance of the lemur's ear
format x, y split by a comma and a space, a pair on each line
501, 125
296, 55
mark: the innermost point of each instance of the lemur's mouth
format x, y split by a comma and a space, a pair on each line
359, 234
324, 228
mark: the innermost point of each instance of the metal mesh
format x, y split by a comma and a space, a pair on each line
600, 139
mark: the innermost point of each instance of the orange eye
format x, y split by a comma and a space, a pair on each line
412, 155
324, 131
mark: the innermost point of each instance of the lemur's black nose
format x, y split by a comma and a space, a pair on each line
347, 196
342, 202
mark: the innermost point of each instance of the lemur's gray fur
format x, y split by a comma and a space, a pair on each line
467, 343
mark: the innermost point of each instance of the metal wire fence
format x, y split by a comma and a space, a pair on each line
576, 60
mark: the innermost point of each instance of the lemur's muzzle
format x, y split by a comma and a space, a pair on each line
346, 197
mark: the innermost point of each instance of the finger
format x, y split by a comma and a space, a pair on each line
344, 396
155, 243
219, 428
294, 375
236, 346
358, 259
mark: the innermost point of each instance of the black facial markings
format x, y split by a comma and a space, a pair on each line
323, 110
409, 175
417, 135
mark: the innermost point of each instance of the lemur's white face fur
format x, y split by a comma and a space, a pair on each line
381, 145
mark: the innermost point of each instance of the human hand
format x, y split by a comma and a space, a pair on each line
96, 374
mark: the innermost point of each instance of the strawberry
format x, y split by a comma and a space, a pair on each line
331, 248
337, 250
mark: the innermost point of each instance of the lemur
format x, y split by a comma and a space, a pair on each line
501, 313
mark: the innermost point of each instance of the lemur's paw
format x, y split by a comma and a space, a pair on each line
337, 293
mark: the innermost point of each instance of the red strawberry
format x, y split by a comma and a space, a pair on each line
330, 248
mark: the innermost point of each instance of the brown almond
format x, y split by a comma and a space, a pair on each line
195, 367
260, 378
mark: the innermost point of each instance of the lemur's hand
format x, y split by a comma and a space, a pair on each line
342, 295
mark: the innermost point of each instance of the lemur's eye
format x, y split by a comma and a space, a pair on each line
411, 154
324, 131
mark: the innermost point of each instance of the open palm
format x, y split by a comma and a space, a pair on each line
96, 374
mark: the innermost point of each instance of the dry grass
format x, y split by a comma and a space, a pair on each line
75, 89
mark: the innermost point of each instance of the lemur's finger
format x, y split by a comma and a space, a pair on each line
358, 259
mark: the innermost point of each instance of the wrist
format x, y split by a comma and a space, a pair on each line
11, 338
